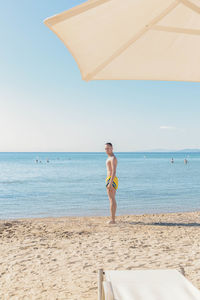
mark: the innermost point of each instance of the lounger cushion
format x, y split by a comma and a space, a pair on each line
167, 284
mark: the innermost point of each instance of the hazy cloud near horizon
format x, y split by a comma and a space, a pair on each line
168, 127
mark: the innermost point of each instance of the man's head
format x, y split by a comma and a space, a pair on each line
108, 148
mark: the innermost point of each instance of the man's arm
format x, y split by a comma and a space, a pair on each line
114, 167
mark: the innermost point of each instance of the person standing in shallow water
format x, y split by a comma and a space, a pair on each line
111, 180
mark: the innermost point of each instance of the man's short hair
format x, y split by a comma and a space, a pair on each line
109, 144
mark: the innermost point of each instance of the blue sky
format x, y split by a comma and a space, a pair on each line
46, 106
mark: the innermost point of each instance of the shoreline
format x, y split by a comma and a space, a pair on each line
98, 216
59, 257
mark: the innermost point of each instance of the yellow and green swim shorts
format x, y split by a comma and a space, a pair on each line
114, 183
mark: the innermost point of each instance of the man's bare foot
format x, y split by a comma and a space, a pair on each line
111, 222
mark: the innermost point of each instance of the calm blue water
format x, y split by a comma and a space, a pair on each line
73, 184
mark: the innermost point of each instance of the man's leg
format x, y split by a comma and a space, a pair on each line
113, 203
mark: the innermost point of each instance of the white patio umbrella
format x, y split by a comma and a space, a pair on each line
133, 39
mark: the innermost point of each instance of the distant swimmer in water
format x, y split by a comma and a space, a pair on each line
172, 160
185, 161
47, 160
36, 160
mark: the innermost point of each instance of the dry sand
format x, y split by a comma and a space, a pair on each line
58, 258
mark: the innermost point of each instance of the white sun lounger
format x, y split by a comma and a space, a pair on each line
159, 284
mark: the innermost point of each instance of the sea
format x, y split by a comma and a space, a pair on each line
54, 184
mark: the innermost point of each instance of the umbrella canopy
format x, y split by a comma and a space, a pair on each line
133, 39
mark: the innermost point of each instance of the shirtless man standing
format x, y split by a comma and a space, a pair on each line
111, 180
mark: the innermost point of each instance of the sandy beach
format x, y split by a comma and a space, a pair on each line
58, 258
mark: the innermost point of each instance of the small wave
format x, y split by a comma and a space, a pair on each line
11, 181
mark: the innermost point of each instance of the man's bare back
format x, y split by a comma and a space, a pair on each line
109, 162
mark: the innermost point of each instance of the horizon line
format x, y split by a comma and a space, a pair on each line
134, 151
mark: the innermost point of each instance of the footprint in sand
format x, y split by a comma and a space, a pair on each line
110, 260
